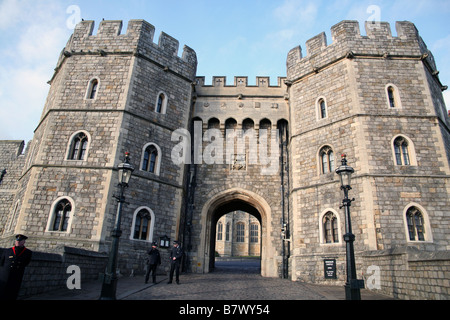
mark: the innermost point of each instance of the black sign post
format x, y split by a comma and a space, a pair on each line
329, 267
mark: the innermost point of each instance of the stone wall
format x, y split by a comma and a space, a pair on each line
48, 271
12, 159
408, 273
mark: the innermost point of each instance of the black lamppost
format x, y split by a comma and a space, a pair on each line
109, 285
352, 286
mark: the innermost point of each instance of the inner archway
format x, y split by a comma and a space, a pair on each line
232, 236
238, 235
232, 200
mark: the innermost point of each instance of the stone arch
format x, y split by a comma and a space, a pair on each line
228, 201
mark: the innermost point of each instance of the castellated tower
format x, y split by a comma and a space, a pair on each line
111, 93
377, 99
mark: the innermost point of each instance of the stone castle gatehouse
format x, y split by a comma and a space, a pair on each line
202, 151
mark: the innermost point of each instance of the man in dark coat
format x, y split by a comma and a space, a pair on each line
12, 267
176, 253
153, 261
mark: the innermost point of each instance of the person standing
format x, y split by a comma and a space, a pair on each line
12, 267
154, 260
175, 261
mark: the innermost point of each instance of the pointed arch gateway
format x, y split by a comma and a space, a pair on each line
228, 201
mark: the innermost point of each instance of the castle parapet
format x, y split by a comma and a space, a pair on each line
240, 87
138, 40
347, 41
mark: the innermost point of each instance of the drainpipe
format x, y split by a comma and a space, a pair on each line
284, 175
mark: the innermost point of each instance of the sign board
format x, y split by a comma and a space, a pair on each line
329, 267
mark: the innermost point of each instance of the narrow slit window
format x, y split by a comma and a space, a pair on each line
93, 88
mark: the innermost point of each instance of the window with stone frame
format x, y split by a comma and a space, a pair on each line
150, 160
254, 233
416, 227
92, 89
142, 225
326, 156
322, 109
61, 216
240, 232
401, 148
391, 97
219, 231
330, 228
161, 103
78, 147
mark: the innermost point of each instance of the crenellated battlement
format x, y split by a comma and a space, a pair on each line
239, 82
137, 40
347, 41
240, 87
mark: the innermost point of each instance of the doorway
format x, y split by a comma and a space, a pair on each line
237, 241
232, 200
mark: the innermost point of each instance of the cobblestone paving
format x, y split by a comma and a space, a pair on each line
238, 281
241, 281
228, 286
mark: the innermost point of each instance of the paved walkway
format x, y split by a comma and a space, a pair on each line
230, 281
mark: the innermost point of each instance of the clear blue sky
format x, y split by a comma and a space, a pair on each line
232, 38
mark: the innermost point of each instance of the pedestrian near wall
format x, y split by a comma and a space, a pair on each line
176, 253
13, 262
154, 260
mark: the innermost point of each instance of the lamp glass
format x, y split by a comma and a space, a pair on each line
346, 177
125, 170
345, 174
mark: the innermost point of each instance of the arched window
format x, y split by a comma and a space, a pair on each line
326, 156
142, 225
393, 97
219, 231
240, 232
78, 146
161, 103
254, 233
265, 126
323, 109
227, 232
330, 228
248, 124
415, 222
230, 124
92, 89
213, 123
151, 158
401, 152
61, 216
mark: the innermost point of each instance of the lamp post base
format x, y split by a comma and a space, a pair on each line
109, 287
352, 290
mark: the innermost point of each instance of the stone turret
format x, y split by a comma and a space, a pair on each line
110, 93
367, 97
